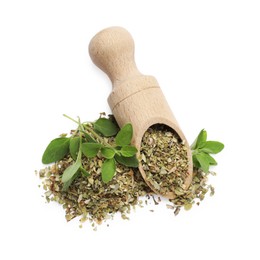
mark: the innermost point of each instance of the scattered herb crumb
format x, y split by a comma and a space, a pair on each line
94, 200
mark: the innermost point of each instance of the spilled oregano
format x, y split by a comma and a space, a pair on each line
97, 187
88, 140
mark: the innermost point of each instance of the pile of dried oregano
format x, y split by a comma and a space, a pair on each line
94, 171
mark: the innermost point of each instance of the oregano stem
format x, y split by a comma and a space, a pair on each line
77, 122
93, 133
71, 118
85, 127
97, 136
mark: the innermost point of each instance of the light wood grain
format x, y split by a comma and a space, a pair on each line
135, 98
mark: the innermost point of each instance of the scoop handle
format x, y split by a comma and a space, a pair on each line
112, 50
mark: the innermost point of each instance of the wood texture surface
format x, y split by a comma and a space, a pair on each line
135, 98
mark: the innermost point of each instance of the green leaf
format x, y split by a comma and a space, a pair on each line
125, 135
108, 170
108, 152
195, 161
71, 171
106, 127
203, 161
90, 149
210, 159
212, 147
84, 172
56, 150
74, 147
66, 184
128, 151
127, 161
200, 140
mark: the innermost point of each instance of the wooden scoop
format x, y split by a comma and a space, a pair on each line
135, 98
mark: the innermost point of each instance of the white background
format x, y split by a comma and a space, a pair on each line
206, 57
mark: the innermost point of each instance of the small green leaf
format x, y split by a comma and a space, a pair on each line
108, 170
195, 161
106, 127
212, 147
84, 172
125, 135
108, 152
66, 184
128, 151
127, 161
210, 159
56, 150
74, 147
200, 140
203, 161
70, 171
90, 149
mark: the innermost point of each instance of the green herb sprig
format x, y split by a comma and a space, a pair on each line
201, 150
88, 140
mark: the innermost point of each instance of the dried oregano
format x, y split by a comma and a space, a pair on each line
164, 159
89, 195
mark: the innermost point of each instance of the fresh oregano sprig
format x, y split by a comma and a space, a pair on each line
201, 150
123, 152
88, 142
